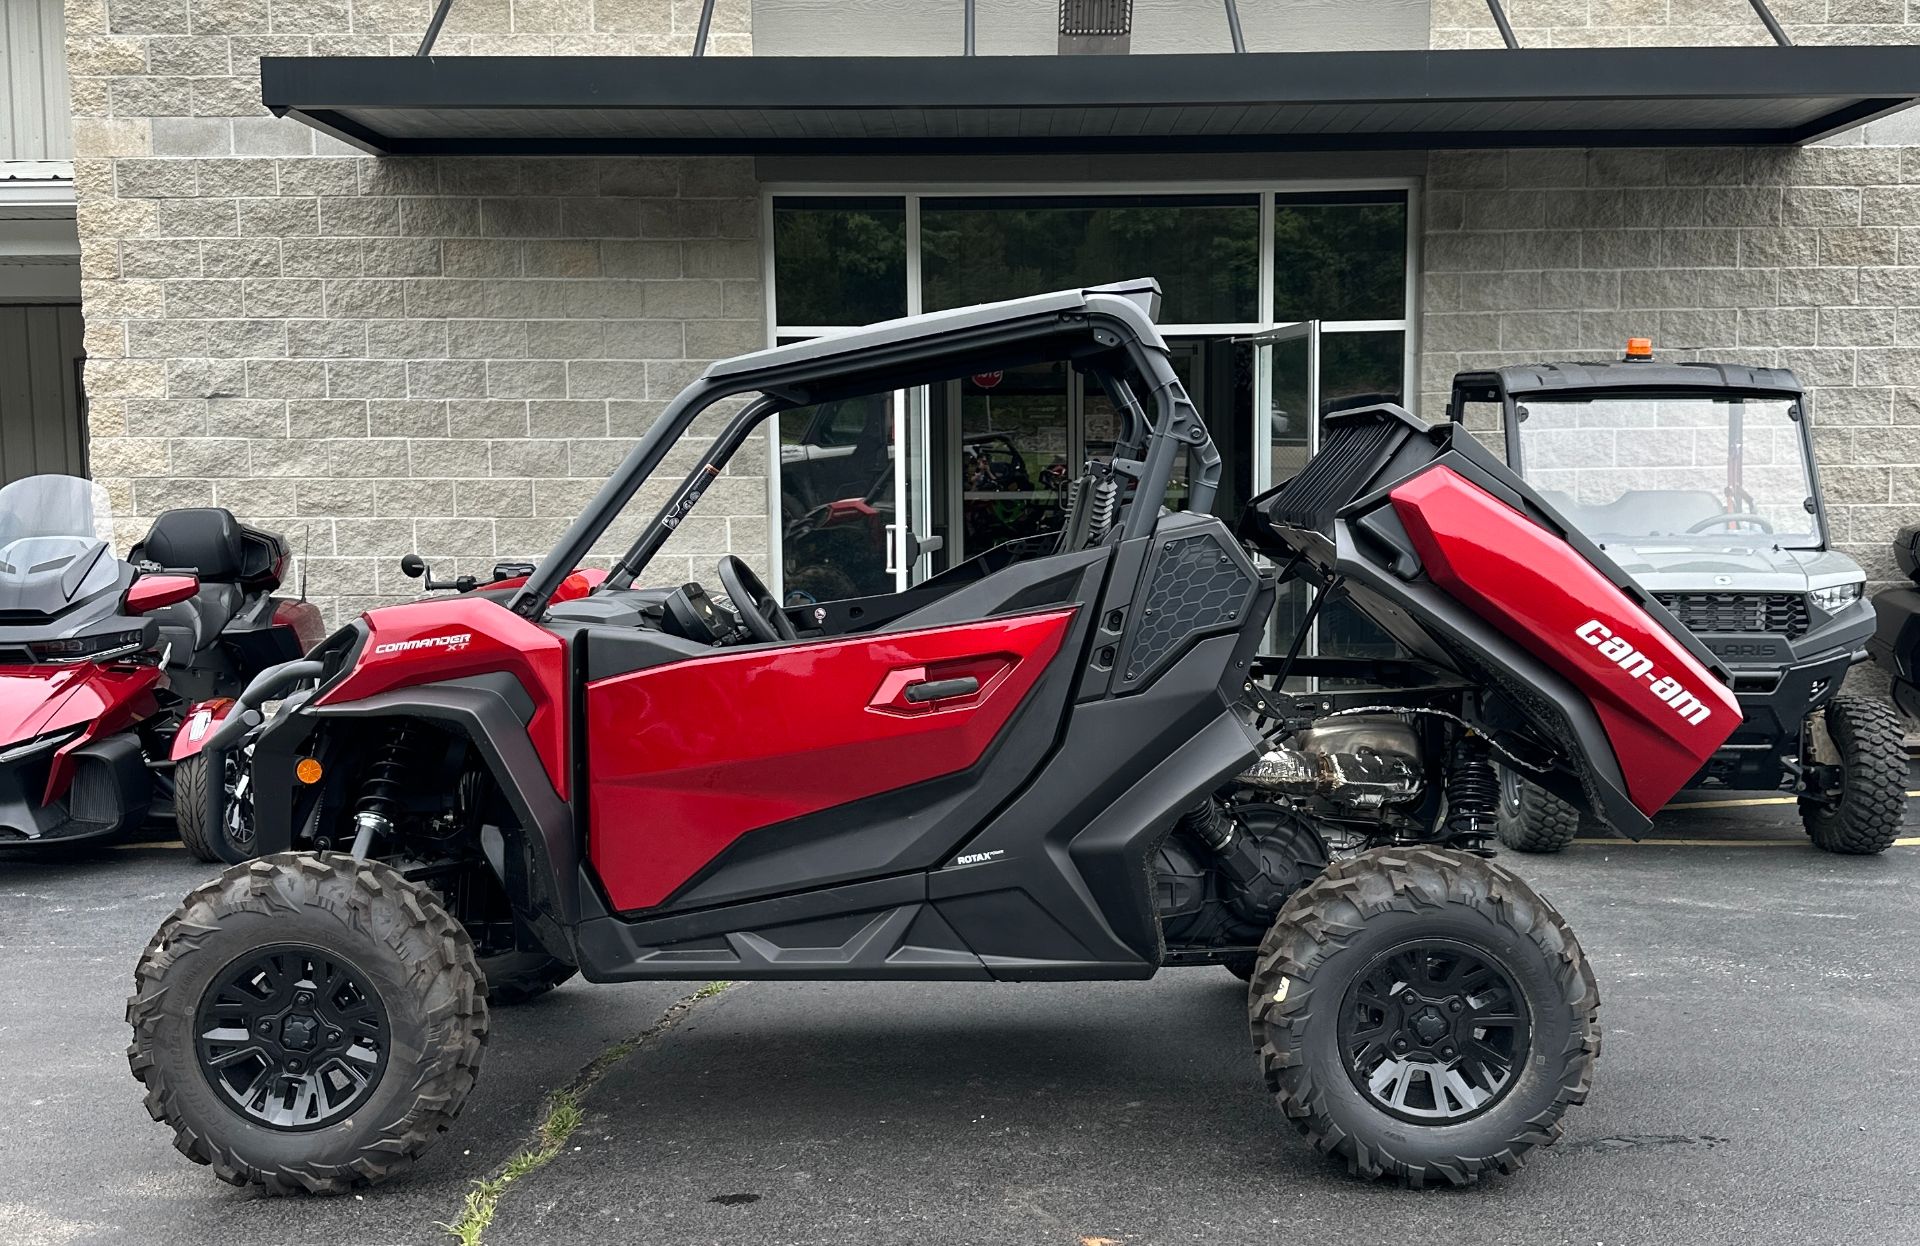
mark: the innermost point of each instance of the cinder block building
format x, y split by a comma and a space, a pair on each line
388, 295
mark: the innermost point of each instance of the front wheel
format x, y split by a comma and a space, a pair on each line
1866, 740
307, 1022
1422, 1014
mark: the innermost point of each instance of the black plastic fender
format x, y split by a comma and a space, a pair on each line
491, 711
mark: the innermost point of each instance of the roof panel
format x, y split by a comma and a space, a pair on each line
1283, 101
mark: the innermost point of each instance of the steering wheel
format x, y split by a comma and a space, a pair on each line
1759, 521
756, 606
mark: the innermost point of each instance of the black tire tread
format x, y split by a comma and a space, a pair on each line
516, 977
1323, 916
1545, 822
189, 807
1871, 740
435, 946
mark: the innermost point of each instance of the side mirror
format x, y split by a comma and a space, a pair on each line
150, 592
412, 566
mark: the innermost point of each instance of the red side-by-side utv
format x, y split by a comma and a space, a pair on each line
1064, 761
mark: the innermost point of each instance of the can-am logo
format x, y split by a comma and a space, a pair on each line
1639, 667
458, 640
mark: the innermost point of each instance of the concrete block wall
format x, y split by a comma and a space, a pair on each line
1806, 258
382, 355
1637, 23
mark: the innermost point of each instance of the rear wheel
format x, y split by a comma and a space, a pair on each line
1532, 819
1422, 1014
1866, 740
307, 1022
516, 977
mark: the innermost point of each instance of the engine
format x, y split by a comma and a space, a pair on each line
1357, 763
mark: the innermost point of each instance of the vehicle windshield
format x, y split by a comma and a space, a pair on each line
51, 524
1709, 471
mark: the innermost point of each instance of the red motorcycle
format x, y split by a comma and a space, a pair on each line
113, 673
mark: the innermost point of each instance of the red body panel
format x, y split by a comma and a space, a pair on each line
452, 637
303, 618
1664, 713
689, 757
36, 700
197, 724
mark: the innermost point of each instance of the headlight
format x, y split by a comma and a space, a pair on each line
88, 648
1839, 597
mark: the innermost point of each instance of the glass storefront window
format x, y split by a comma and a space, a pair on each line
1340, 256
1205, 250
839, 261
1358, 369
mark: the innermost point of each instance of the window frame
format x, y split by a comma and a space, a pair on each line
1268, 191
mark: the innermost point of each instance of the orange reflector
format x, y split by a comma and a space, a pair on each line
308, 771
1639, 348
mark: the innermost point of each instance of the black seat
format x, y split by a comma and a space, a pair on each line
206, 540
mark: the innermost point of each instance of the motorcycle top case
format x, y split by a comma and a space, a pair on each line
1467, 568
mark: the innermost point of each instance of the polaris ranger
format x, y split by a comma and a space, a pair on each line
1698, 480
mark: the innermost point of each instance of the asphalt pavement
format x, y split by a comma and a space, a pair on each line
1759, 1084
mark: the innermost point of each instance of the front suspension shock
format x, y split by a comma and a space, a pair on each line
380, 795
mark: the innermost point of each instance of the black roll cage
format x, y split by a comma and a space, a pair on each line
1105, 331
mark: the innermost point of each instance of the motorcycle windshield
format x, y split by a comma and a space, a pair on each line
54, 544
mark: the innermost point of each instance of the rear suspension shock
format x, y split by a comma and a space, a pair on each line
380, 795
1473, 794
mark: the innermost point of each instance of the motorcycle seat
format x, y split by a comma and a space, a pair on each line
205, 539
193, 625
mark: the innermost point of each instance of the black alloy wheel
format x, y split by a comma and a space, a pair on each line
292, 1037
1433, 1031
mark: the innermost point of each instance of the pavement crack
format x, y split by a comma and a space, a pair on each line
562, 1116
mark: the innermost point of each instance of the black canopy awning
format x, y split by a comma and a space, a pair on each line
1285, 101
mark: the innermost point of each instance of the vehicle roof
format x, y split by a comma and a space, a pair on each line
1141, 295
1535, 378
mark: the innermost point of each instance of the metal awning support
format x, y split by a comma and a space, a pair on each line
1233, 26
706, 25
967, 18
1772, 23
433, 27
1506, 27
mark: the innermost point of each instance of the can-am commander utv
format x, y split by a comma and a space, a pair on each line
1699, 480
1059, 760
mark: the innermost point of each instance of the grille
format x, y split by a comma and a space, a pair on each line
1777, 614
1096, 17
1195, 586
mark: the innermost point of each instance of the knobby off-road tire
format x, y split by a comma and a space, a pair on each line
363, 933
1870, 744
1532, 819
516, 977
190, 808
1364, 912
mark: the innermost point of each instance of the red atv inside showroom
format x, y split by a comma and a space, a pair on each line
113, 674
1059, 760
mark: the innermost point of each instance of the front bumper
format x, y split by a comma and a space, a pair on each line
1775, 702
110, 793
